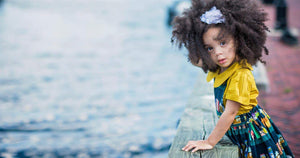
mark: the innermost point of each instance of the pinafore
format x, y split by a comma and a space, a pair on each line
254, 132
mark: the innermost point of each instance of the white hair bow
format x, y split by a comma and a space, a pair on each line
212, 16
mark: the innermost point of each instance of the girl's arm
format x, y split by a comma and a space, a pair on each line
219, 131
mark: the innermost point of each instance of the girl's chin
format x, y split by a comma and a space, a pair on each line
224, 66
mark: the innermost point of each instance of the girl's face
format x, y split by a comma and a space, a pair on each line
222, 51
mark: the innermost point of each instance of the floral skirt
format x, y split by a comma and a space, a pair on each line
257, 136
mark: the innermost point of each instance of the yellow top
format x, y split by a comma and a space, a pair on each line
240, 87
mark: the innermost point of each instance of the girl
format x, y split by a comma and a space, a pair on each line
226, 37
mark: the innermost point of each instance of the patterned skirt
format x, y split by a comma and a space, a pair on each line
257, 136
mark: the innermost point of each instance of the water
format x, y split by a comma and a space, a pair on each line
89, 79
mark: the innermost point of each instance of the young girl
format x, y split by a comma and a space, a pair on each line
226, 37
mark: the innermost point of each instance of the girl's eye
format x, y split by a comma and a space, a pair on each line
209, 49
223, 43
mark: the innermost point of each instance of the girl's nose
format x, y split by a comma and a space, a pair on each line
218, 51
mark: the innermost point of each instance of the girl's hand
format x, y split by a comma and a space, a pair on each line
199, 64
197, 145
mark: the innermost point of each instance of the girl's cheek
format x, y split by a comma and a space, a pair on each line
213, 58
212, 55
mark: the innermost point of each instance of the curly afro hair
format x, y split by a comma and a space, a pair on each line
244, 21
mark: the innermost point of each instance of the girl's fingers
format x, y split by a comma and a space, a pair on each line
188, 147
196, 146
195, 149
185, 147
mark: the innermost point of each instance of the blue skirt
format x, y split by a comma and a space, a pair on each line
257, 136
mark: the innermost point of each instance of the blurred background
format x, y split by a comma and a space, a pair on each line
100, 78
91, 78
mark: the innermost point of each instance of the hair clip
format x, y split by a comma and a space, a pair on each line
212, 16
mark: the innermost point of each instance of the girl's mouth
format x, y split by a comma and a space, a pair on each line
222, 61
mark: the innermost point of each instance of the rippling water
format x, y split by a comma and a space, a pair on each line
89, 79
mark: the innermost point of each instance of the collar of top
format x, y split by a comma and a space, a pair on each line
222, 77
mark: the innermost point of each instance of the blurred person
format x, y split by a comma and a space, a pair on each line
281, 23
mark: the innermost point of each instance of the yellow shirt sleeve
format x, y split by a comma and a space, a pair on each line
241, 88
